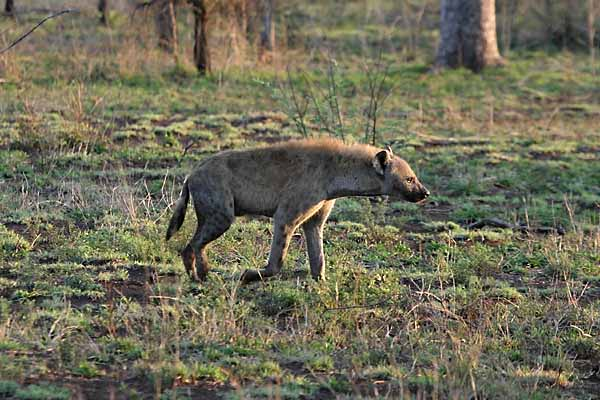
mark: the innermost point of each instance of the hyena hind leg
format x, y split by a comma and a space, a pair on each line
194, 255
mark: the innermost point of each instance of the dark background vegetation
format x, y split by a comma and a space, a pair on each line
490, 290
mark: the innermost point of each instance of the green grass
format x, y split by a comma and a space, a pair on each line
93, 152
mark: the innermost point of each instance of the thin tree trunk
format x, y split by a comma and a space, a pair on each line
412, 18
166, 26
569, 35
417, 27
487, 42
591, 31
173, 23
550, 28
509, 8
201, 53
267, 33
243, 17
103, 9
9, 8
232, 16
468, 35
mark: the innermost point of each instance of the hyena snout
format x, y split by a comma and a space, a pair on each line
418, 194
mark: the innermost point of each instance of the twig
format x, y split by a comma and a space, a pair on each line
376, 75
310, 93
300, 110
498, 223
13, 44
334, 104
191, 144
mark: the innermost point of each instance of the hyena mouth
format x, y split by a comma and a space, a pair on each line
415, 198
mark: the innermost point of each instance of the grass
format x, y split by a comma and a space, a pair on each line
93, 300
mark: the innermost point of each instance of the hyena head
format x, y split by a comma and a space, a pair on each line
399, 180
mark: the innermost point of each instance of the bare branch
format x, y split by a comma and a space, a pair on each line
377, 75
13, 44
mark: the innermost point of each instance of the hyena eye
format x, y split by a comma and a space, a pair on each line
410, 180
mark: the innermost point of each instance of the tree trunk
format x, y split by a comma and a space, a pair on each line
103, 9
201, 53
267, 33
509, 10
166, 26
468, 35
569, 39
9, 8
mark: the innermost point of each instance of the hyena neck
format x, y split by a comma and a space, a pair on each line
358, 179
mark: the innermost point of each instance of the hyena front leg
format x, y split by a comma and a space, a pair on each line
313, 232
285, 222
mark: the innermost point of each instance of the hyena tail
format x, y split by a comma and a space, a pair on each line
179, 212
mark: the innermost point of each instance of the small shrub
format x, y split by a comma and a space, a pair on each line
339, 384
8, 388
12, 245
87, 370
322, 363
213, 373
42, 392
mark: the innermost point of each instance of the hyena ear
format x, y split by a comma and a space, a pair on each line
381, 161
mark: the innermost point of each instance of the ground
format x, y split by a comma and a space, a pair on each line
421, 301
